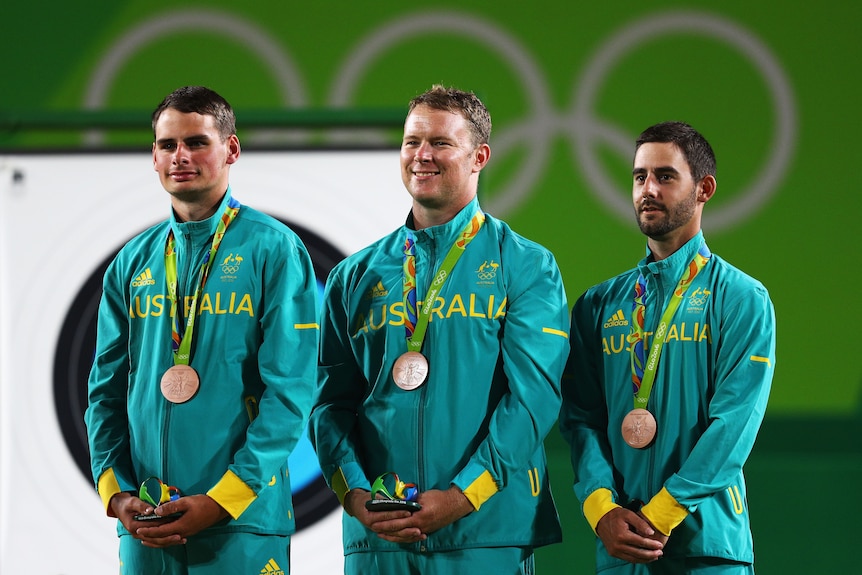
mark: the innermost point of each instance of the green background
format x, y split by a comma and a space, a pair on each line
801, 242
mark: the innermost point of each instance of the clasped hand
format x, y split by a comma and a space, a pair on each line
629, 536
198, 513
439, 509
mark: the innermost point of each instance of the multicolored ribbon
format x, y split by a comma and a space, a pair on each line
410, 282
417, 319
643, 370
181, 339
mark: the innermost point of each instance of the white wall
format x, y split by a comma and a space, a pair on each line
60, 217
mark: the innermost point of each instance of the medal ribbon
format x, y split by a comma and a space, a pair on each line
417, 320
643, 372
181, 339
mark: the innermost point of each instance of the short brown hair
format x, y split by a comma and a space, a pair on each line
458, 102
200, 100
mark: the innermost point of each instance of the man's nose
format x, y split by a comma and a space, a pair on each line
423, 153
181, 154
651, 186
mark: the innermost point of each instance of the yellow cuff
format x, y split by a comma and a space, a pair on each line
481, 490
107, 488
339, 485
664, 512
232, 494
597, 505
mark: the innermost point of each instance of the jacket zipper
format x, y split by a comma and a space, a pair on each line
652, 488
420, 480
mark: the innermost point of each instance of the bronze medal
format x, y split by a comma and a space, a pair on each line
180, 383
639, 428
410, 370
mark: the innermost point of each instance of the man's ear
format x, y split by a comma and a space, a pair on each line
233, 149
483, 154
706, 189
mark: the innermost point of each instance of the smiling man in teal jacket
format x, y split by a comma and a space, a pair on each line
442, 345
668, 380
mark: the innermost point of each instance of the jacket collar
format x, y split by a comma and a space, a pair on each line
444, 233
203, 228
676, 262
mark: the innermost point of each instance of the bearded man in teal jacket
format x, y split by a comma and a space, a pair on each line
667, 382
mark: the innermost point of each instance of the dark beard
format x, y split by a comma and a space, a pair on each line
671, 219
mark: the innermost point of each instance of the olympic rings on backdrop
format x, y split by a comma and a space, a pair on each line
537, 130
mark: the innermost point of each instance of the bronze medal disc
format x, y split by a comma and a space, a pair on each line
410, 370
180, 383
639, 428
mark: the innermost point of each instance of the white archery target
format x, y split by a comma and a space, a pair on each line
62, 217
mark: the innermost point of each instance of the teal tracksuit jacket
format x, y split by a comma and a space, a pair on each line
709, 398
255, 344
496, 345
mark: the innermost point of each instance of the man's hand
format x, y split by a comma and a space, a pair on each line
124, 506
630, 537
657, 535
198, 513
439, 509
384, 523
